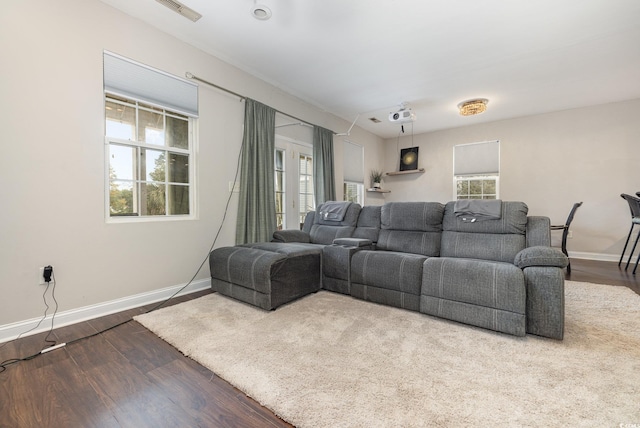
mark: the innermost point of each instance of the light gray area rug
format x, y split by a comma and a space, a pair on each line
329, 360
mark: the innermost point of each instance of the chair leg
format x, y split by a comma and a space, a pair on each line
565, 233
632, 251
626, 243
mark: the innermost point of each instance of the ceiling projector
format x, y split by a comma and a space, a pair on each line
402, 116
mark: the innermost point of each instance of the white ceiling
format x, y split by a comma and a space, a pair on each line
365, 57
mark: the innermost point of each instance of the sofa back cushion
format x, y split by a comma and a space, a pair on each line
308, 221
498, 240
411, 227
368, 226
324, 231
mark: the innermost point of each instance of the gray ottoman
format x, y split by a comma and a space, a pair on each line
266, 275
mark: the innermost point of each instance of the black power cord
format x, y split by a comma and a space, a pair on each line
53, 346
49, 278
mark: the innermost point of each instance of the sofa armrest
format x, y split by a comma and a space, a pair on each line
290, 236
540, 256
538, 231
353, 242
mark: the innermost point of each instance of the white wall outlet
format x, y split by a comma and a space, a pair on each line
570, 234
234, 187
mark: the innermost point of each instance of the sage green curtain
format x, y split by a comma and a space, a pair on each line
257, 204
323, 171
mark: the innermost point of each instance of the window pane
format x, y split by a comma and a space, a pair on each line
177, 133
306, 203
475, 187
150, 127
153, 199
120, 121
279, 202
121, 200
122, 162
305, 165
489, 186
304, 184
463, 187
279, 181
178, 200
280, 160
154, 164
178, 168
280, 221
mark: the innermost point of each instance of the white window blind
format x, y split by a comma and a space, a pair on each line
353, 163
142, 83
477, 158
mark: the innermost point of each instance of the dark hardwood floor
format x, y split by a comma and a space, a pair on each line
604, 273
128, 377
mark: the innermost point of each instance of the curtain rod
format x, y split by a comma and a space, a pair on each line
293, 124
242, 97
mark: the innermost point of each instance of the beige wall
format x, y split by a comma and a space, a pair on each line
52, 165
548, 161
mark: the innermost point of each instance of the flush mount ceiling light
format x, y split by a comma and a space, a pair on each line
471, 107
261, 12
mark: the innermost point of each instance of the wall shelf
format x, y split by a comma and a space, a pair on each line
411, 171
377, 190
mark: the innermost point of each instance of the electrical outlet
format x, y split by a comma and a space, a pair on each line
234, 189
41, 280
570, 234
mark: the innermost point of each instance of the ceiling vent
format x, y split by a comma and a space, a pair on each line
181, 9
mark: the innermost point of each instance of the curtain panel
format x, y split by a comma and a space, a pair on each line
323, 171
257, 205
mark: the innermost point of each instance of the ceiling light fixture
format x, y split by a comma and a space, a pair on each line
261, 12
471, 107
180, 8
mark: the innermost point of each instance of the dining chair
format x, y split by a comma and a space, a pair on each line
565, 231
634, 208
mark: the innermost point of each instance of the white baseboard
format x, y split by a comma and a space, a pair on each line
73, 316
595, 256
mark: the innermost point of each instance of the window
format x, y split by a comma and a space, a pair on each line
150, 153
476, 170
293, 183
280, 188
354, 192
477, 187
353, 171
149, 141
305, 192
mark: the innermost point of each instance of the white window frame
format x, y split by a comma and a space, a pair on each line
136, 145
283, 213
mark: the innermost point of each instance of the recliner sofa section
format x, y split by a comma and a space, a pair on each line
498, 272
410, 233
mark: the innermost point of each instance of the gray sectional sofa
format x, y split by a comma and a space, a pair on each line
483, 263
